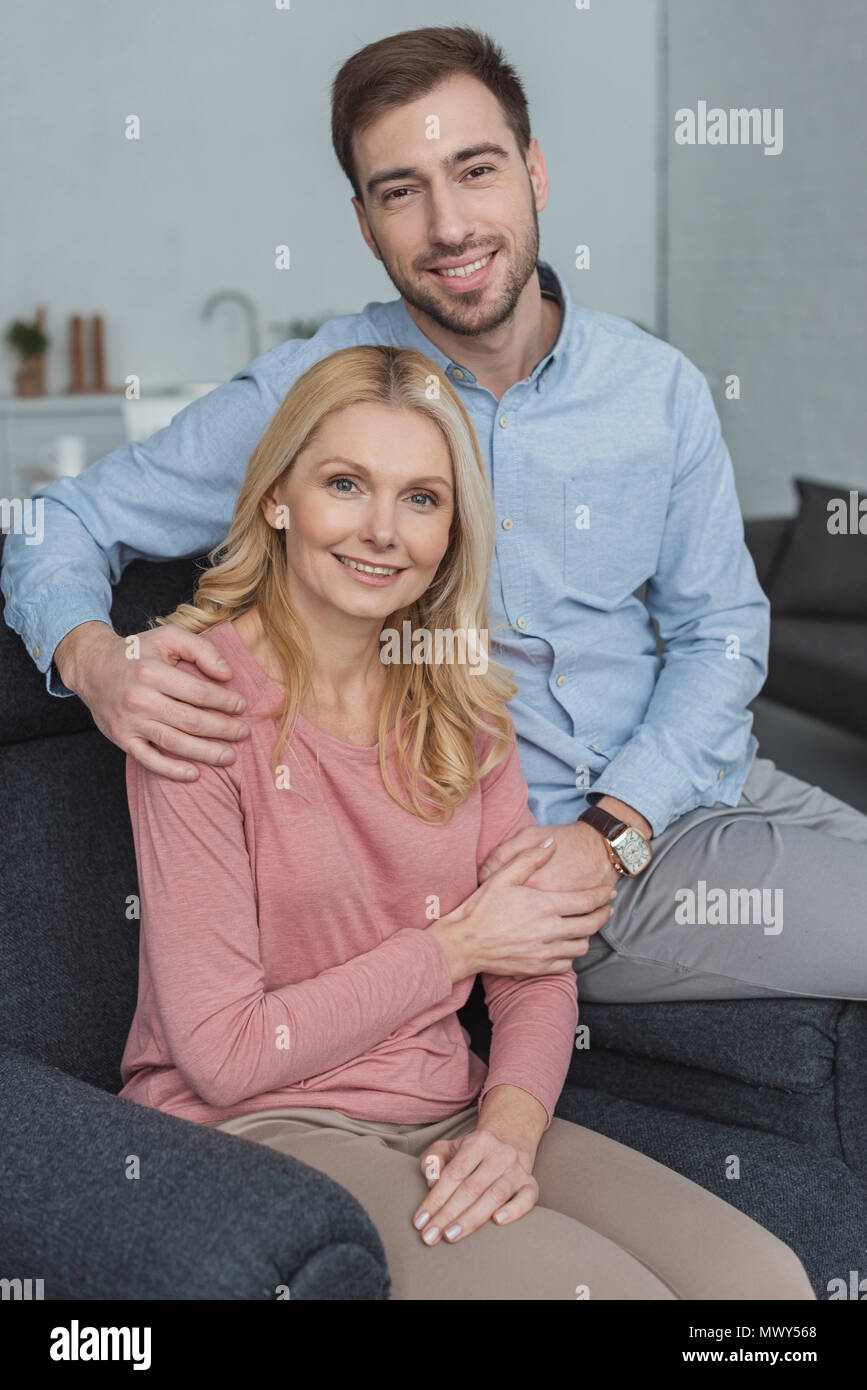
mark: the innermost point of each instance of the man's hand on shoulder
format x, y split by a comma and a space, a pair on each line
164, 718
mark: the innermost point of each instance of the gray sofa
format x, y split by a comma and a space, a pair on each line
778, 1083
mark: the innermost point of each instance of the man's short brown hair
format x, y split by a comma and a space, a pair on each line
403, 67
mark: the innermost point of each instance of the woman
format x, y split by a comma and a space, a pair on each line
311, 915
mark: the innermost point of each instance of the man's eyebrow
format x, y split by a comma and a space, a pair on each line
449, 161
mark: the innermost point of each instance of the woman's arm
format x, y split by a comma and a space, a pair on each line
532, 1019
229, 1038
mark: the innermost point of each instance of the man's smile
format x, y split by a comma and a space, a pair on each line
467, 273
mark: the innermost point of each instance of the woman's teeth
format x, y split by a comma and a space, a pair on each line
365, 569
463, 270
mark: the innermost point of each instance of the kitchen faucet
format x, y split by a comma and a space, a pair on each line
249, 309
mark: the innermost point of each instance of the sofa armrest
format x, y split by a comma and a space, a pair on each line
107, 1199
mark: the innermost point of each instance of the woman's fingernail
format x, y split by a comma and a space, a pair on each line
452, 1232
613, 893
484, 873
430, 1235
546, 843
421, 1220
242, 704
501, 1216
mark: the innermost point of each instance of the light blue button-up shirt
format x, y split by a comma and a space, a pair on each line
609, 473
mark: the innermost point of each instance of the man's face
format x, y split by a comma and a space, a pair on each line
430, 205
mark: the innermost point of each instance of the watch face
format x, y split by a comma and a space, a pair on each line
632, 851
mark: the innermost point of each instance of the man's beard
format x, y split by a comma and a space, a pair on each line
463, 317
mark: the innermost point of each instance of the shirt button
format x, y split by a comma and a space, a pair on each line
8, 593
503, 422
593, 746
35, 651
508, 523
458, 374
522, 622
561, 680
720, 774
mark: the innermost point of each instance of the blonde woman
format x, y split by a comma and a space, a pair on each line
311, 915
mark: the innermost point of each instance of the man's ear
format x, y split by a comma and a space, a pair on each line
365, 226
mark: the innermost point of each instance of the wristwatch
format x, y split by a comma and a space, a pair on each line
627, 848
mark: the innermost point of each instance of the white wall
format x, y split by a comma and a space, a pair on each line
235, 158
767, 268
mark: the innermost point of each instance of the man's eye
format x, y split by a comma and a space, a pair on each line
391, 192
481, 169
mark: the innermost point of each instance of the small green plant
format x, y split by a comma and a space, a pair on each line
27, 339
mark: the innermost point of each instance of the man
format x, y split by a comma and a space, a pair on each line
609, 473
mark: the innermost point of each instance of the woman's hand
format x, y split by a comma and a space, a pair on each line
472, 1179
506, 928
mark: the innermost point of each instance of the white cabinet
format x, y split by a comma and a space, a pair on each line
45, 437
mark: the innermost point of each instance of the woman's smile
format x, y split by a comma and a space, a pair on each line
367, 571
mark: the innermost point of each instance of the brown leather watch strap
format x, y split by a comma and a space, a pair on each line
604, 822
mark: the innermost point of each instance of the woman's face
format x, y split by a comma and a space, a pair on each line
367, 509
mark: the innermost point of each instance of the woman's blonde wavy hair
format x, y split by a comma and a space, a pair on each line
435, 709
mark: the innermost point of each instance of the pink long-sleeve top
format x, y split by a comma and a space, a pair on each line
284, 957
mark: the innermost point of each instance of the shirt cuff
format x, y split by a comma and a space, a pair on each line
42, 643
634, 777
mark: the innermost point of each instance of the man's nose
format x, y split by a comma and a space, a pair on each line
448, 223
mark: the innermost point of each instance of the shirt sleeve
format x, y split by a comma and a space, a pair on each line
532, 1019
714, 620
170, 497
228, 1036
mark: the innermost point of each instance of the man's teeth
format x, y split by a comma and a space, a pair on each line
463, 270
365, 569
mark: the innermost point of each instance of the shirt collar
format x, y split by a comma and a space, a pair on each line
406, 332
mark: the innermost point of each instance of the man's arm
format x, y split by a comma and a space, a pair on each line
169, 497
714, 619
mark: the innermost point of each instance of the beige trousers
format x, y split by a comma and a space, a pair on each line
610, 1223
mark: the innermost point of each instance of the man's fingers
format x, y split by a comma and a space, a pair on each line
578, 902
153, 761
195, 647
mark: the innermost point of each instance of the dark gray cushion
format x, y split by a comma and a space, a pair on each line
823, 572
210, 1215
819, 665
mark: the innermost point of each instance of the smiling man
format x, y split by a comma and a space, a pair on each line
609, 474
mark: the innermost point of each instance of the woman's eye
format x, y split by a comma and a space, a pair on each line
423, 497
342, 484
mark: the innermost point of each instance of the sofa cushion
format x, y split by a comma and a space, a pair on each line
823, 568
819, 665
809, 1199
68, 917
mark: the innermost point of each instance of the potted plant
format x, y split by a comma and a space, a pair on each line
30, 341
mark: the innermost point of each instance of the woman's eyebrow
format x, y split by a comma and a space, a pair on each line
448, 162
429, 480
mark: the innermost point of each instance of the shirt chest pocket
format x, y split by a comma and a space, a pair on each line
611, 542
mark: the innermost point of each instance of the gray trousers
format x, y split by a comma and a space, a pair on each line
766, 898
